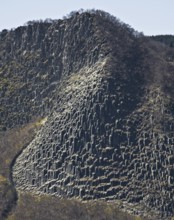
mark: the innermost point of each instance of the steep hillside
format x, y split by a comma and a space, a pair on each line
105, 93
33, 60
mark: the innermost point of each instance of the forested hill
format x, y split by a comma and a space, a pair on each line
165, 39
86, 114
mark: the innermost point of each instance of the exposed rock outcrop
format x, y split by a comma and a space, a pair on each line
109, 132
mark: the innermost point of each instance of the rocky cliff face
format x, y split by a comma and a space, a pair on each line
109, 128
34, 59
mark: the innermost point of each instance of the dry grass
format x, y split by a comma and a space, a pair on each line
11, 144
31, 207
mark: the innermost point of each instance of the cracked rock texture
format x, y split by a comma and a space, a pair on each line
109, 131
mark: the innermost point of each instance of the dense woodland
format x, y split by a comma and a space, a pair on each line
164, 39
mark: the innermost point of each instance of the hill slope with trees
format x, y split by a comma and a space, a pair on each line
86, 111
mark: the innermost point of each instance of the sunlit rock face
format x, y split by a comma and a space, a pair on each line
109, 129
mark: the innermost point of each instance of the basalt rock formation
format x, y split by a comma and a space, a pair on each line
110, 123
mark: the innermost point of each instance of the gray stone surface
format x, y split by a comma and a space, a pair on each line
109, 131
90, 150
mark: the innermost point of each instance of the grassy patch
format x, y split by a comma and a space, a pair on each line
11, 143
52, 208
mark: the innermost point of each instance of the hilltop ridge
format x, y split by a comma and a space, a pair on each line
104, 92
